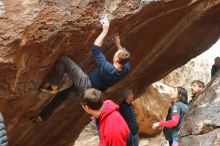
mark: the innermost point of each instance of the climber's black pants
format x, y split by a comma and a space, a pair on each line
66, 65
79, 78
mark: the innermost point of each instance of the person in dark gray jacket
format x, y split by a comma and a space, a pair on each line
126, 109
3, 134
215, 67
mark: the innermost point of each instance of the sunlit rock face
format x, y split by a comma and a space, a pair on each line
161, 36
196, 69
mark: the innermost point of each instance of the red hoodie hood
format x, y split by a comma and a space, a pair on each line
108, 107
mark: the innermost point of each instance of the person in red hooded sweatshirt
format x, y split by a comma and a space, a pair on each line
112, 128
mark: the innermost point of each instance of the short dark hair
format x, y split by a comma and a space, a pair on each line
199, 83
183, 94
123, 56
92, 98
217, 58
125, 93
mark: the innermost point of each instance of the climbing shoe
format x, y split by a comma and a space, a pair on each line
47, 88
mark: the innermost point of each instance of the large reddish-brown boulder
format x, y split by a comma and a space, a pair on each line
151, 107
161, 36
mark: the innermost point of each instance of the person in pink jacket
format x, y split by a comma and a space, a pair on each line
175, 116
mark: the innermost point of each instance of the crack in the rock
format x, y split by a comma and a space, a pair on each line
208, 129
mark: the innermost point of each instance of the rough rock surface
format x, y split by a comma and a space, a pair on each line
161, 36
202, 123
89, 136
